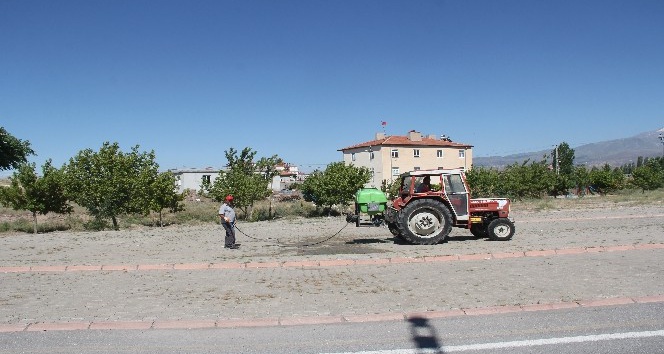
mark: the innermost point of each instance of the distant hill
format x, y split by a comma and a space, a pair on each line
614, 152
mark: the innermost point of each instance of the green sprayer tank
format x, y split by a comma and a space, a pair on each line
370, 201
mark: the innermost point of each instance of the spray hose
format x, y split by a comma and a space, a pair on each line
279, 244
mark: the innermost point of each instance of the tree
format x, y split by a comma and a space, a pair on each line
391, 189
581, 179
649, 176
13, 151
109, 183
337, 185
606, 180
483, 181
563, 159
39, 195
164, 196
525, 180
563, 165
246, 180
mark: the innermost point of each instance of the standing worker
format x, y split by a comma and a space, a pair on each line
227, 216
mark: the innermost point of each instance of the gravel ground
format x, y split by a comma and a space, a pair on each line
362, 289
307, 239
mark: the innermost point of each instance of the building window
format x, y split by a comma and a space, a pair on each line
395, 153
352, 157
371, 155
439, 154
416, 152
395, 171
416, 168
206, 178
462, 154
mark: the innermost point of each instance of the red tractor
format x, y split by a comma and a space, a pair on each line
431, 202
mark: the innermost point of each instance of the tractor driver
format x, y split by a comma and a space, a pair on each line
425, 186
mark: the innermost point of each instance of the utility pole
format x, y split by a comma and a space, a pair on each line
555, 159
373, 173
557, 162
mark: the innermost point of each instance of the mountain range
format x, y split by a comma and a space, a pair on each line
613, 152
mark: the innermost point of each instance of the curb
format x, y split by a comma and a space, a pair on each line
323, 319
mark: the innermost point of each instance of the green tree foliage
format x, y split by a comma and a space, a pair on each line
247, 181
13, 151
649, 176
391, 189
39, 195
163, 195
606, 180
109, 183
518, 181
563, 159
336, 185
581, 180
561, 184
563, 166
484, 182
526, 180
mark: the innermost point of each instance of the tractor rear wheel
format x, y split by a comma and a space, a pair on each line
425, 222
394, 229
501, 229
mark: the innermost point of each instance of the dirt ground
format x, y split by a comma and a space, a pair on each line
370, 287
602, 224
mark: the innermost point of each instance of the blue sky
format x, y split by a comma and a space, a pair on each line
302, 79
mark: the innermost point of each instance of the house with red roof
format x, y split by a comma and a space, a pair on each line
387, 156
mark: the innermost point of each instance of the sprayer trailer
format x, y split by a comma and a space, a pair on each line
431, 202
370, 206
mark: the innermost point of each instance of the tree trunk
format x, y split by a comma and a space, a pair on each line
161, 222
115, 223
34, 221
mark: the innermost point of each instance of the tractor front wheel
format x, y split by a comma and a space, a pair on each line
501, 229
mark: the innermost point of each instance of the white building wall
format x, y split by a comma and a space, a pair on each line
192, 179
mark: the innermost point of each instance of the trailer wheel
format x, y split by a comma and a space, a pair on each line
501, 229
479, 230
425, 222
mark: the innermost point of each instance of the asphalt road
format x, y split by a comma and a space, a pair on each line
635, 328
